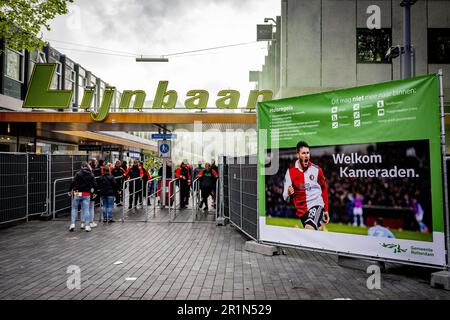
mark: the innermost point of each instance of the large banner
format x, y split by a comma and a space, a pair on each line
355, 171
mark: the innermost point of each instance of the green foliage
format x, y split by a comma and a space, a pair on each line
21, 21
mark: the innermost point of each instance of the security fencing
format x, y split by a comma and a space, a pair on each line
13, 187
133, 193
240, 190
60, 195
62, 167
152, 194
38, 177
225, 198
173, 198
38, 185
196, 196
27, 184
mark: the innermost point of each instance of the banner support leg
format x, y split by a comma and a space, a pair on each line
442, 278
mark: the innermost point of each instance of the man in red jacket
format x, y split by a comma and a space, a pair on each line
305, 187
133, 172
184, 175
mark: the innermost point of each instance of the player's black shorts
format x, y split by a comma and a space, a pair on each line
313, 217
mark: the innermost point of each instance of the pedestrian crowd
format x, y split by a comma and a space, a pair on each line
99, 182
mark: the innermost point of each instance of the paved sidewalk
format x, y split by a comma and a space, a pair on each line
180, 261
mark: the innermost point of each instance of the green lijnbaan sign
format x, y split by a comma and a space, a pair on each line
39, 95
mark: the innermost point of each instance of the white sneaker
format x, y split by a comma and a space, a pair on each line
72, 227
88, 228
82, 225
138, 206
93, 224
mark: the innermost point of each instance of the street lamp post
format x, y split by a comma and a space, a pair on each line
408, 51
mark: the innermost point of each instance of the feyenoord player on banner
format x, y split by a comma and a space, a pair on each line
306, 188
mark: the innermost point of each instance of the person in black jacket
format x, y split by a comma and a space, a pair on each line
118, 173
182, 173
107, 188
81, 188
207, 178
133, 172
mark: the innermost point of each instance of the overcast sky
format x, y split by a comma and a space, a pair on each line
160, 27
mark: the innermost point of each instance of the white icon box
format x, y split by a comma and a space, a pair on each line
334, 117
334, 125
334, 109
380, 104
357, 123
381, 112
356, 107
356, 115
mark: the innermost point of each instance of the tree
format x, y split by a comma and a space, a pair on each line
22, 20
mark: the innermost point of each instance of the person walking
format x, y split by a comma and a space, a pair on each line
107, 188
207, 178
197, 170
182, 173
145, 179
118, 173
82, 187
133, 172
153, 176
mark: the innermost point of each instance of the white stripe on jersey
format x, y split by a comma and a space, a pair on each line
313, 189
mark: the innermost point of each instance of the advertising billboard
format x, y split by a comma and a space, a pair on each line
355, 171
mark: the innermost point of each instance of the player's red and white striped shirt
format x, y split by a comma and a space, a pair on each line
310, 188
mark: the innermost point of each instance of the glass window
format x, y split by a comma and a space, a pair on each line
56, 81
372, 45
14, 63
70, 79
35, 57
81, 86
438, 46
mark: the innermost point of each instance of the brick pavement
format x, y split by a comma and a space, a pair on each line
180, 261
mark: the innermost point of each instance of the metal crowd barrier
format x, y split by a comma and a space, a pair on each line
65, 193
218, 200
151, 195
172, 209
195, 195
134, 193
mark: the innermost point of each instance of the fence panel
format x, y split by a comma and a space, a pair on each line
235, 194
38, 165
226, 190
13, 187
249, 200
240, 193
61, 167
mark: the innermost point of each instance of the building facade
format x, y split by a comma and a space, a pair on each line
324, 45
16, 68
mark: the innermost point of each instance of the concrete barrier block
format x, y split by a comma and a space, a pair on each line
441, 278
260, 248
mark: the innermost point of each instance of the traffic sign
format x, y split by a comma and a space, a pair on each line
164, 148
164, 136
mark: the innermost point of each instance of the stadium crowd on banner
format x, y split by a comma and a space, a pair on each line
386, 195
